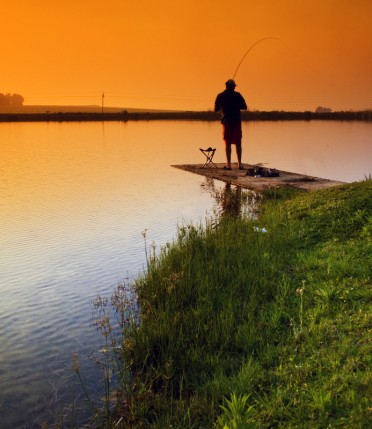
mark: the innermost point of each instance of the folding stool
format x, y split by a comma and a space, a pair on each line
209, 154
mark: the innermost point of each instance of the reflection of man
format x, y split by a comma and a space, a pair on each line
230, 103
231, 201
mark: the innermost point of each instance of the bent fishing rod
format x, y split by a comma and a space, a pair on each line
250, 48
270, 38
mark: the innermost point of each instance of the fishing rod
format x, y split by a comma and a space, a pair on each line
270, 38
251, 47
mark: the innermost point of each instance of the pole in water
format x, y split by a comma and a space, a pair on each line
254, 44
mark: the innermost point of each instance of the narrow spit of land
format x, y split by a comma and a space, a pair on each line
240, 178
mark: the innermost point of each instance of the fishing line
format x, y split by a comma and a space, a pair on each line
262, 40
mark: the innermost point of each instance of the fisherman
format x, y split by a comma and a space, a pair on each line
230, 103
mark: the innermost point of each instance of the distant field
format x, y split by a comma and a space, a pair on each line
68, 109
94, 113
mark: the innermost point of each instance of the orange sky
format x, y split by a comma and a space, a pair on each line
177, 54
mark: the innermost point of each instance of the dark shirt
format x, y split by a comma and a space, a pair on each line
230, 103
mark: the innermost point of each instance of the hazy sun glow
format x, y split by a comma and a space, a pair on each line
177, 55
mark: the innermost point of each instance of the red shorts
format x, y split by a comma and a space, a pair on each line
232, 133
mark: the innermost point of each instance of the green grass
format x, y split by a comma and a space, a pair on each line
244, 329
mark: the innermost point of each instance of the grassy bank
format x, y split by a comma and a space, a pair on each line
241, 328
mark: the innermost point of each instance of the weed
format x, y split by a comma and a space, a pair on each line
237, 414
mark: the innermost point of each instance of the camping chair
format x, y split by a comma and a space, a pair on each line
209, 154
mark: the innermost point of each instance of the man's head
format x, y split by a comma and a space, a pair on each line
230, 84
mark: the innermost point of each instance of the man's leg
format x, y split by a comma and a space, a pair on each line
228, 154
239, 155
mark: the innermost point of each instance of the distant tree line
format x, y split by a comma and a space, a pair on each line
322, 109
11, 100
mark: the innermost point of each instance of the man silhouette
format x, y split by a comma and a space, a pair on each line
230, 103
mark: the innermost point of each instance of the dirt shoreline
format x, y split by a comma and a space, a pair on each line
239, 178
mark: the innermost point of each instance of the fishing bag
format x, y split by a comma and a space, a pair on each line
262, 172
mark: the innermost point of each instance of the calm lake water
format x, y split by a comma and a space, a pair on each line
74, 201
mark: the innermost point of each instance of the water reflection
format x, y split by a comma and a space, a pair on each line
74, 199
328, 149
231, 200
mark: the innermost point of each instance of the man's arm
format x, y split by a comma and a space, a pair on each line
243, 104
217, 104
